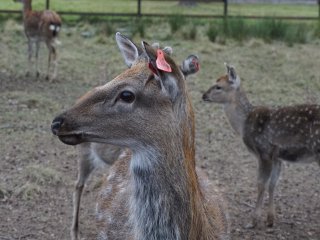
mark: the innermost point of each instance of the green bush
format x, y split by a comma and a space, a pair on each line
235, 28
190, 32
176, 22
107, 28
139, 28
212, 32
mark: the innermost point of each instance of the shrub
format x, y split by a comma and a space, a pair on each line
270, 29
190, 32
176, 22
108, 28
235, 28
212, 32
139, 28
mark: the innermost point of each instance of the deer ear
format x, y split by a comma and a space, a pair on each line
168, 50
190, 65
129, 50
167, 80
234, 79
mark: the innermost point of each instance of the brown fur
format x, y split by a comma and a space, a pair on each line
154, 190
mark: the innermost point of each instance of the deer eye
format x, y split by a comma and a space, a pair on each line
217, 87
127, 96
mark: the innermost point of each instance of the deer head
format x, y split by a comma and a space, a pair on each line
135, 108
224, 89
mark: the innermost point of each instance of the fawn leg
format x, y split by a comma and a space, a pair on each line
84, 171
52, 55
55, 64
276, 169
37, 58
30, 52
264, 172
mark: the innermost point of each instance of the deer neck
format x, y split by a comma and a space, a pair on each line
165, 186
237, 111
27, 7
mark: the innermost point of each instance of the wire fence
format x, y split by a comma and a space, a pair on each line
167, 8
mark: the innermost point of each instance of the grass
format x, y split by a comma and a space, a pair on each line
267, 29
28, 191
212, 32
41, 175
171, 7
272, 74
176, 22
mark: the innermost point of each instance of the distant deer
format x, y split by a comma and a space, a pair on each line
152, 192
94, 155
290, 133
41, 26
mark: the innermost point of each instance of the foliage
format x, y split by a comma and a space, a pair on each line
212, 32
190, 31
176, 22
139, 28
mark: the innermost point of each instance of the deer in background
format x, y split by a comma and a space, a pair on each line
41, 26
153, 191
95, 155
290, 133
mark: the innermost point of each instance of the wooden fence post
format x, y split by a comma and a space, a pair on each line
139, 8
226, 8
47, 4
319, 9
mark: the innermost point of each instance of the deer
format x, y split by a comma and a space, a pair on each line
41, 26
273, 135
154, 190
92, 156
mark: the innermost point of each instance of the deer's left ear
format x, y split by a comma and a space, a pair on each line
233, 78
190, 65
129, 50
160, 66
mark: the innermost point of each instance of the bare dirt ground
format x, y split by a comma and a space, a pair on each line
37, 171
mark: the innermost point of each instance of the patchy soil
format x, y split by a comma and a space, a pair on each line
37, 171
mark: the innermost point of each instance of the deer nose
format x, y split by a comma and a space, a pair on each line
204, 97
56, 125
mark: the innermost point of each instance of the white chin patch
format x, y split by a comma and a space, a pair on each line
57, 28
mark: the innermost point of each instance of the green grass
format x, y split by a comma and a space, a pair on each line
271, 73
171, 7
266, 29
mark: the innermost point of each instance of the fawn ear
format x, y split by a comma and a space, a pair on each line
129, 50
159, 65
234, 79
190, 65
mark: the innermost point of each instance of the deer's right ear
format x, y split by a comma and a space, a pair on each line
233, 78
190, 65
129, 50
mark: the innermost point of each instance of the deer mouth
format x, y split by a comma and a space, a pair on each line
77, 138
71, 139
206, 98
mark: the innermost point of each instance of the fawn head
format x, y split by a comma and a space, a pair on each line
133, 108
225, 87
